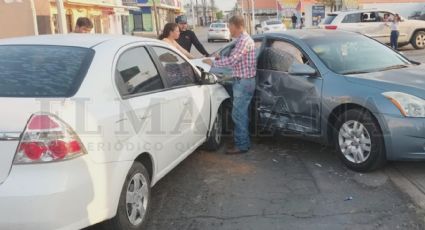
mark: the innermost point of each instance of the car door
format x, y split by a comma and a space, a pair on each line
370, 25
143, 105
351, 22
286, 102
188, 111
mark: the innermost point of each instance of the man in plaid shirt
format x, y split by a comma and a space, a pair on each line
243, 64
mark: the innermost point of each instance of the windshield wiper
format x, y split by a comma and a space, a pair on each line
393, 67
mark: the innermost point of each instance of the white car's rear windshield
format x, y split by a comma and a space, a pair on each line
42, 70
273, 22
218, 25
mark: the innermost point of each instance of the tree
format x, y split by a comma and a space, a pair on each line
219, 15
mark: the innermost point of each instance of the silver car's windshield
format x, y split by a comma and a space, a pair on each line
355, 54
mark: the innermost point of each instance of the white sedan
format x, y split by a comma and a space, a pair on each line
90, 123
271, 26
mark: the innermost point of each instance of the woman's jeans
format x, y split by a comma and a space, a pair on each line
243, 91
394, 39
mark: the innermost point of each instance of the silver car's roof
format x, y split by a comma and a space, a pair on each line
310, 33
72, 39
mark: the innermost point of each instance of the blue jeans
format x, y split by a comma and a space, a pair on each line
243, 91
394, 39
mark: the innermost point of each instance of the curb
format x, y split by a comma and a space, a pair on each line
415, 192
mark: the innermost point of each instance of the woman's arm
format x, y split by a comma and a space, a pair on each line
181, 49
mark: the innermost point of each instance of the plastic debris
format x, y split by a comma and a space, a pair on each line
275, 161
348, 198
318, 165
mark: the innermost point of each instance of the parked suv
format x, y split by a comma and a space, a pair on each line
371, 23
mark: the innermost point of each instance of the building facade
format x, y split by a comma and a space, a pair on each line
151, 15
41, 17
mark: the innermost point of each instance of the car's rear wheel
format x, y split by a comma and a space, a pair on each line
216, 134
359, 141
134, 203
418, 40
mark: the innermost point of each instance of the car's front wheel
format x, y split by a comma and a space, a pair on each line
418, 40
359, 141
134, 203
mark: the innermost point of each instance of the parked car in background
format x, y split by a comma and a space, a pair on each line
343, 89
370, 22
94, 122
270, 26
219, 31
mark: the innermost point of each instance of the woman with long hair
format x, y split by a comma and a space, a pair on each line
394, 25
170, 33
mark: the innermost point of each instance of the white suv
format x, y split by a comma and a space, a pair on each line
370, 22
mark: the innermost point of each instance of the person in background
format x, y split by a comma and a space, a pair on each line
294, 21
243, 64
170, 34
188, 37
83, 25
394, 25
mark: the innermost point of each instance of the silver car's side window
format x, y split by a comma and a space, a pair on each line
280, 55
136, 73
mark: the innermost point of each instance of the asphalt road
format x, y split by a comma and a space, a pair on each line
282, 183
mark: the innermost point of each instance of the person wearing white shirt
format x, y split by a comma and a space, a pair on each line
394, 25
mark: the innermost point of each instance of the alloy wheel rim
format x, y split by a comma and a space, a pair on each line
137, 199
354, 142
420, 40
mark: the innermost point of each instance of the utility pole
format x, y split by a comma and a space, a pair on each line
155, 10
253, 16
197, 12
277, 10
204, 7
212, 10
193, 14
61, 20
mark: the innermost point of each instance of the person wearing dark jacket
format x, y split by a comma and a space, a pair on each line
188, 37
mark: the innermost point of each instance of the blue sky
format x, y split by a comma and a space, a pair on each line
221, 4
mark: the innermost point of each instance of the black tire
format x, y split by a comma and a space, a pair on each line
418, 40
215, 138
121, 220
374, 155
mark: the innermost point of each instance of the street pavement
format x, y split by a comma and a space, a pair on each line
287, 183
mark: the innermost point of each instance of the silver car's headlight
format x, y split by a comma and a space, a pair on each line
409, 105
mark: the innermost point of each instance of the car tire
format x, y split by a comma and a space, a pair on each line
140, 205
418, 40
359, 142
216, 135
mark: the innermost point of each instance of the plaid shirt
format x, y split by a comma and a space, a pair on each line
242, 58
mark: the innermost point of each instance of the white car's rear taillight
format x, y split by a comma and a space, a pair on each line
46, 139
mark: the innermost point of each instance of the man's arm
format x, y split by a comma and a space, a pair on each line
198, 45
235, 56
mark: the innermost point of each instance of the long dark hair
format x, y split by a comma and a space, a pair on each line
168, 28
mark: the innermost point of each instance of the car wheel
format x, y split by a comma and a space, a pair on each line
215, 138
418, 40
359, 141
134, 203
